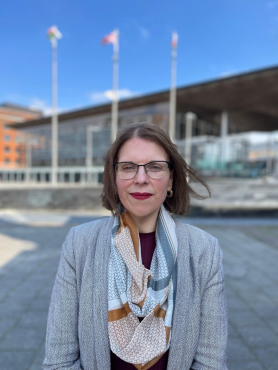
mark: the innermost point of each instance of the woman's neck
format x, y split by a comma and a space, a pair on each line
145, 224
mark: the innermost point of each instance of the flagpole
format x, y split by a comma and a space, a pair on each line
172, 120
114, 124
54, 120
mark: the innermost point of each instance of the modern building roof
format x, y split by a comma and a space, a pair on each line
20, 108
251, 99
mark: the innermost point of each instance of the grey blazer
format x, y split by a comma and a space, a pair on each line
77, 329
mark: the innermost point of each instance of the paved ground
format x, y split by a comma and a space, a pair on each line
30, 245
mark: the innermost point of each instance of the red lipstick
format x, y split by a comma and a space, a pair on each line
141, 196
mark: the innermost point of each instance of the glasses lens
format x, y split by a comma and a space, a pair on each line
157, 170
126, 170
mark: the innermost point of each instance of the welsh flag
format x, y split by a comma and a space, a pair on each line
112, 38
53, 33
174, 42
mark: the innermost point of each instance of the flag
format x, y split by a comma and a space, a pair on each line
53, 33
112, 38
174, 42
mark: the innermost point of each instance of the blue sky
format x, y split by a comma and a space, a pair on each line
217, 38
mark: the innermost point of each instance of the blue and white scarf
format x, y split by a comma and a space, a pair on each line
134, 291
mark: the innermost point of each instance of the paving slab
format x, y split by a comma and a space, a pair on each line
237, 350
16, 360
244, 365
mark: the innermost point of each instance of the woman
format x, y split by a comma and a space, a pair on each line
139, 289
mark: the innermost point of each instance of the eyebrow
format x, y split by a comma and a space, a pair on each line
153, 160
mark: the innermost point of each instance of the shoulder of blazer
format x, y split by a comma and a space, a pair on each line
83, 238
89, 230
198, 241
199, 250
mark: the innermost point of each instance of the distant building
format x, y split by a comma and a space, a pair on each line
233, 105
12, 141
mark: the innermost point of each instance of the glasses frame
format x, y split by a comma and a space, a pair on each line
143, 165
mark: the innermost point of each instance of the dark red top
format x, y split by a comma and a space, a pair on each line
147, 248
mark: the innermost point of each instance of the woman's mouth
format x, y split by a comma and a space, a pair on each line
141, 196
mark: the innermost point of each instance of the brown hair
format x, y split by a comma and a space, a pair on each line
179, 203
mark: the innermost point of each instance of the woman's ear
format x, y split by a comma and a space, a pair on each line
170, 183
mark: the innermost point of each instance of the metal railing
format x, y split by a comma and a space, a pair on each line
70, 175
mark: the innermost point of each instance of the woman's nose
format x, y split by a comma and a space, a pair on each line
141, 175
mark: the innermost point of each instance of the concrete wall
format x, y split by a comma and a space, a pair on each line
234, 197
51, 198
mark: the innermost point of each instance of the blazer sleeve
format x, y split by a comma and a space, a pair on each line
212, 345
62, 348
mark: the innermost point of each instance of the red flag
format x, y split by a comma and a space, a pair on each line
112, 38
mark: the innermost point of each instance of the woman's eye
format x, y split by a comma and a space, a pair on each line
128, 168
155, 167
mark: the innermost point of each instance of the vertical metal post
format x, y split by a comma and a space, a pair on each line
28, 159
89, 153
269, 154
224, 134
275, 147
54, 120
172, 113
114, 123
189, 118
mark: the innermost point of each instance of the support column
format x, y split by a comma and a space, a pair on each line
224, 134
269, 156
189, 118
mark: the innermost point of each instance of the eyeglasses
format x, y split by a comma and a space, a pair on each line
155, 169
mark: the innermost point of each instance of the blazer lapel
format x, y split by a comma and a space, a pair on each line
177, 358
100, 297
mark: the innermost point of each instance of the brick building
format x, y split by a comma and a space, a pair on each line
12, 141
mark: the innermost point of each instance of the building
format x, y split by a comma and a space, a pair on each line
12, 141
241, 103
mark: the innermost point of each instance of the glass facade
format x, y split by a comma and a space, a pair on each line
73, 136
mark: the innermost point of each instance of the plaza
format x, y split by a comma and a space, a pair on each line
30, 246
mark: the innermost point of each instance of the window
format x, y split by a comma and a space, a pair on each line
7, 149
18, 139
7, 160
7, 138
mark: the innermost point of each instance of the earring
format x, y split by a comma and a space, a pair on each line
170, 193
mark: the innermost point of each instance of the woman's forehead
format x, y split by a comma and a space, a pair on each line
141, 149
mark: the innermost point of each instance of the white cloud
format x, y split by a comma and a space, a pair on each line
46, 109
32, 103
41, 105
144, 32
108, 95
228, 73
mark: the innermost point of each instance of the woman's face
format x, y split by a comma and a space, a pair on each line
142, 196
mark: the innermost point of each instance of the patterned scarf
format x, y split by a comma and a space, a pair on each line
136, 291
